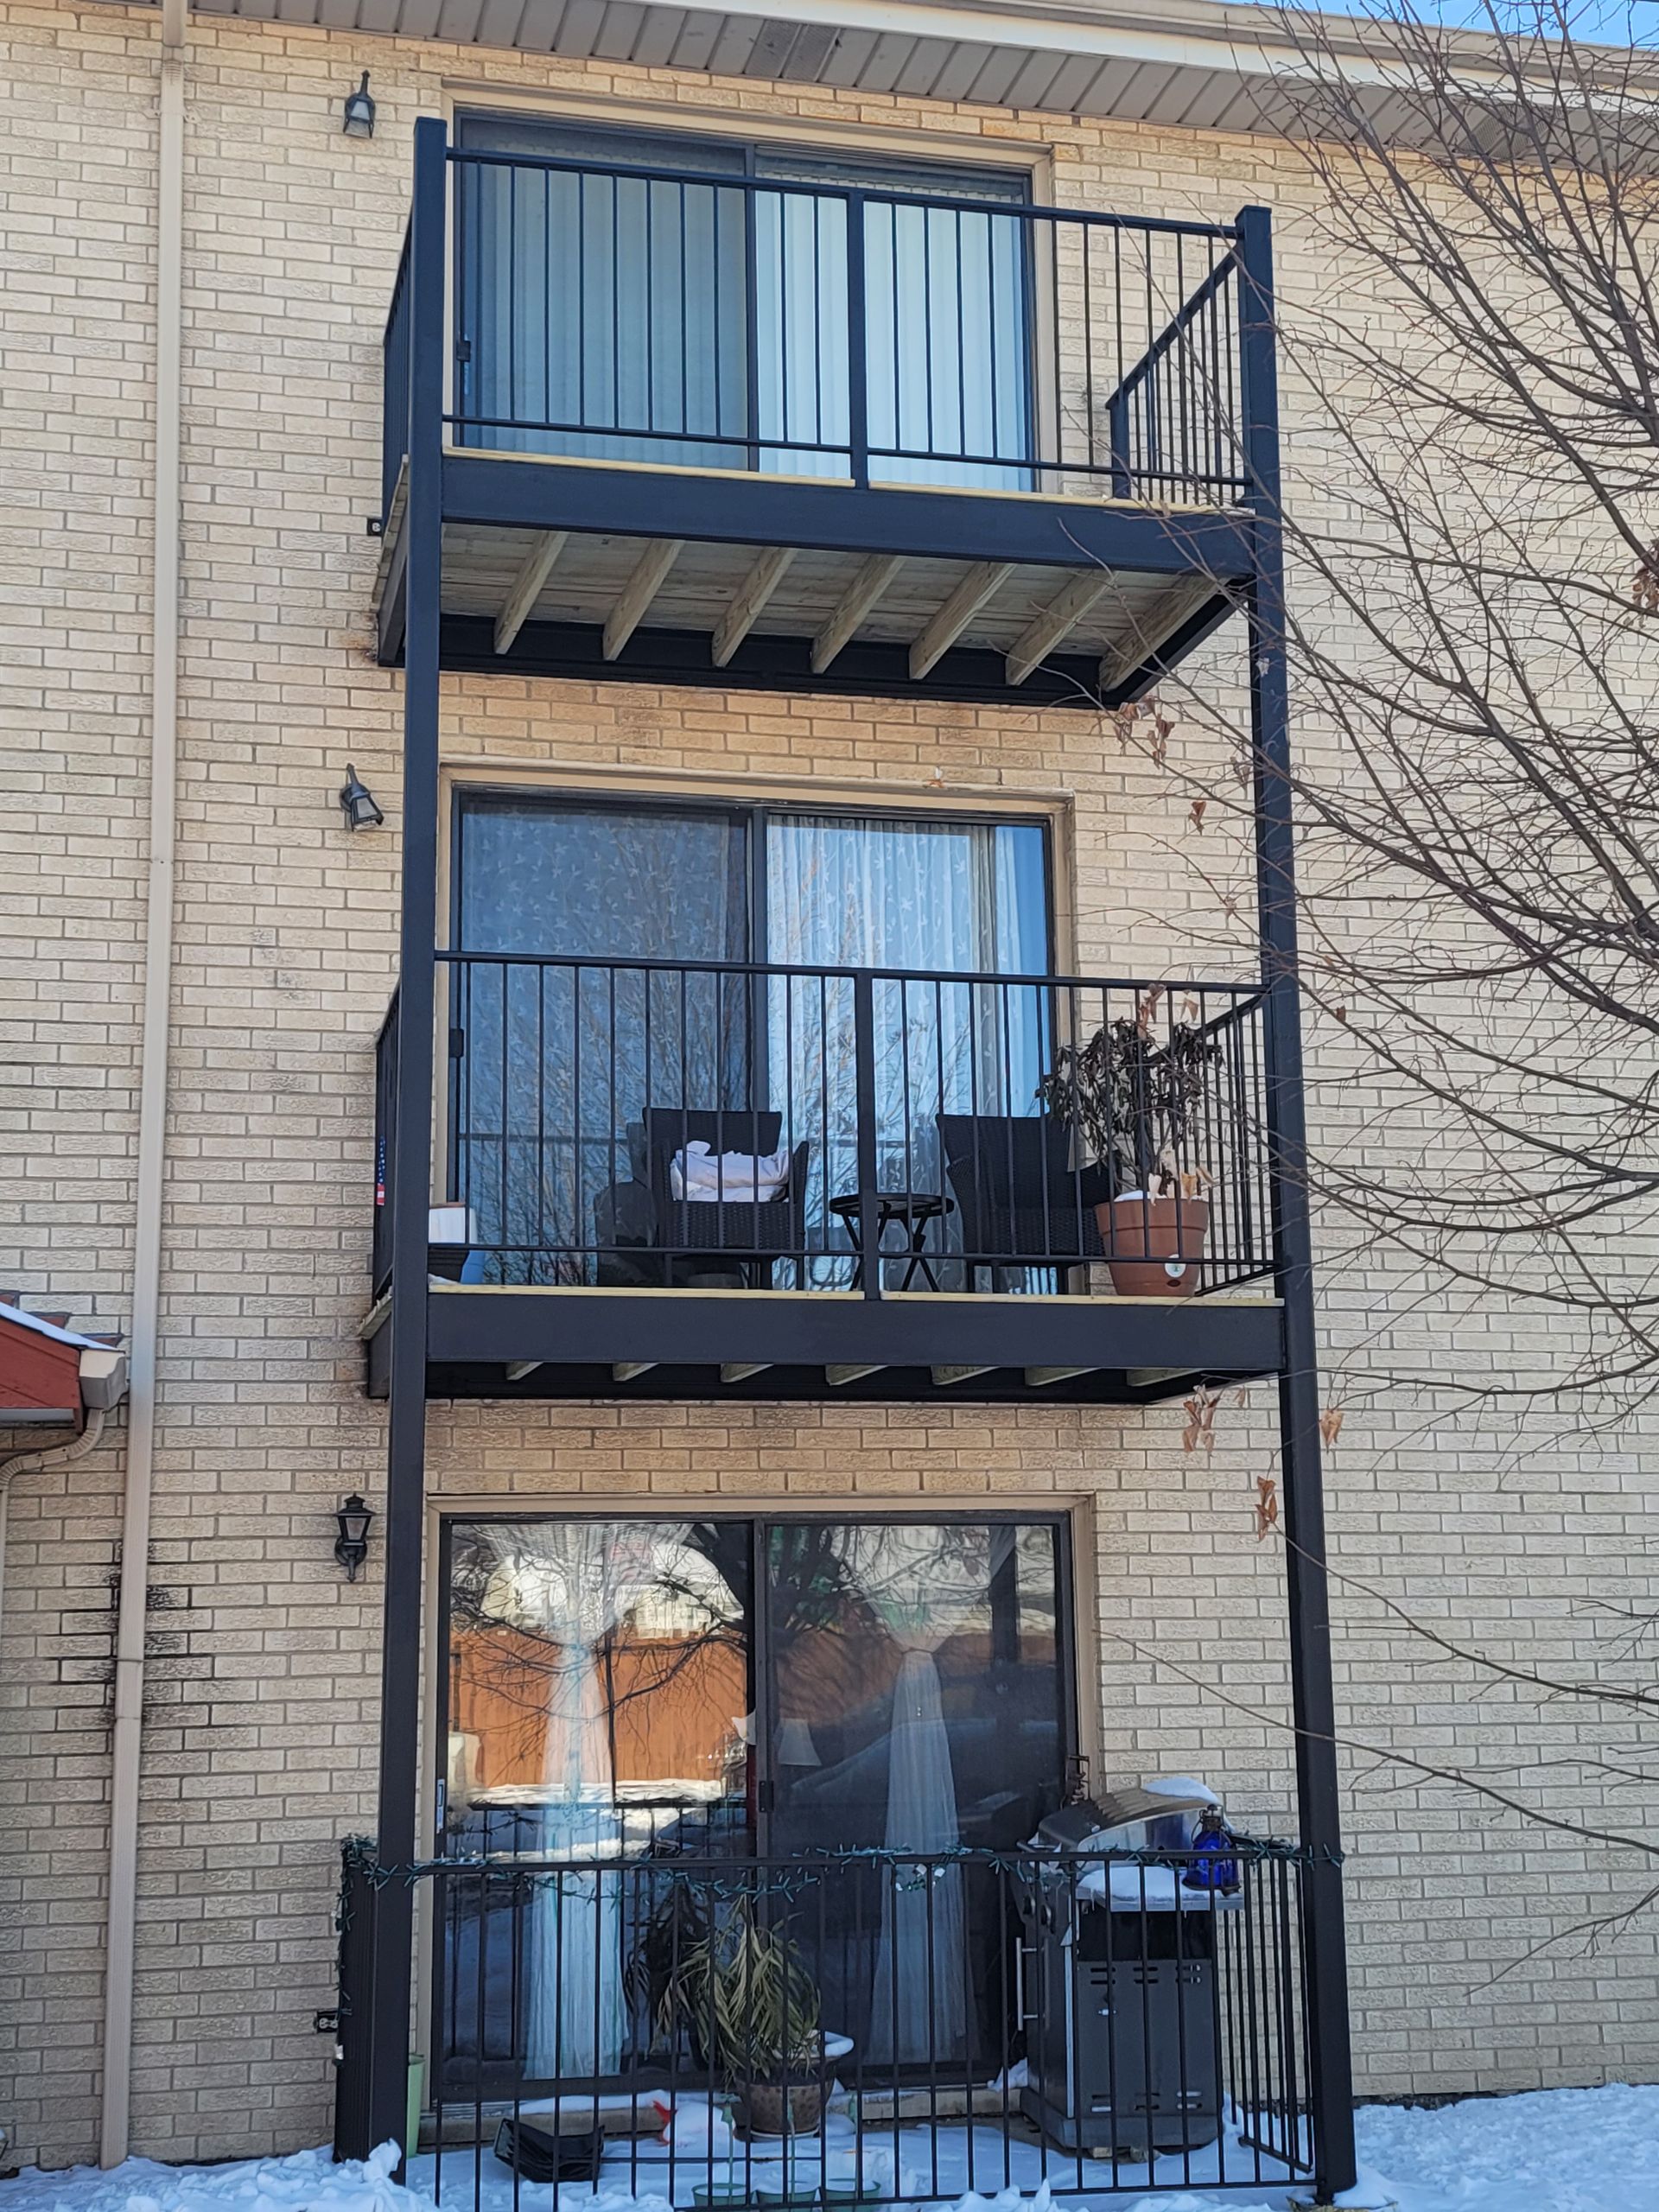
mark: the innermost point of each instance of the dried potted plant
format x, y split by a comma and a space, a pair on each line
1136, 1099
742, 1992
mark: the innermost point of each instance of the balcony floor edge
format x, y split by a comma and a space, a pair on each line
493, 1342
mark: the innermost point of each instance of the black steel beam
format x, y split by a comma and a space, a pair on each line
479, 1326
408, 1194
523, 492
1313, 1697
967, 676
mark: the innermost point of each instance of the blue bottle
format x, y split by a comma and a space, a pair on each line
1213, 1867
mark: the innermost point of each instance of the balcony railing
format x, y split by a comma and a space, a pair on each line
659, 1125
878, 2026
607, 312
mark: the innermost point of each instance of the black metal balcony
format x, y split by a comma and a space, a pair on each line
778, 1181
971, 2020
744, 430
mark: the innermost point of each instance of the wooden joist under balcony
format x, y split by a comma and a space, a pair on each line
667, 609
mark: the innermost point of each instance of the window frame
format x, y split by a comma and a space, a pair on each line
753, 814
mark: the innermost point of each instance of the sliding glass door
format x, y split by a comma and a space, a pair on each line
622, 1697
916, 1706
609, 314
572, 1051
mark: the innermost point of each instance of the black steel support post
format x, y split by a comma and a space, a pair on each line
1313, 1696
409, 1195
858, 358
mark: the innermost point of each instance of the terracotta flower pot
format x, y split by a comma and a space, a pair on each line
1153, 1245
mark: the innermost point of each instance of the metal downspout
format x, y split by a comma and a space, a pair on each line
127, 1732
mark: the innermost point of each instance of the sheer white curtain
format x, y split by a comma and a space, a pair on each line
936, 897
924, 1585
575, 1591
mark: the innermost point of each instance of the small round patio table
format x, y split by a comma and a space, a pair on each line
912, 1211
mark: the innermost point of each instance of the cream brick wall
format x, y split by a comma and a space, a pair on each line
258, 1749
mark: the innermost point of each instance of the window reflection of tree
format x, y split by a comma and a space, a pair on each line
510, 1666
833, 1658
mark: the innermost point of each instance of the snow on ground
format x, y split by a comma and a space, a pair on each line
1552, 2150
1555, 2150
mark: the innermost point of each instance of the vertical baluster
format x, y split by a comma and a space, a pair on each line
514, 409
681, 192
632, 1906
1087, 235
942, 1106
1258, 2057
616, 303
482, 1892
785, 349
816, 208
749, 201
1010, 2004
544, 1163
960, 287
864, 1057
858, 397
1180, 362
1050, 236
444, 1917
1077, 2100
500, 974
991, 287
830, 1177
549, 277
927, 1872
517, 2025
1121, 481
789, 1123
1182, 2025
679, 1212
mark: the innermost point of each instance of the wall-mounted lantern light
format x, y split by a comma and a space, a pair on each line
357, 802
352, 1545
359, 111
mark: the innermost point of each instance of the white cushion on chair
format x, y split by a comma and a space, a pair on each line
733, 1177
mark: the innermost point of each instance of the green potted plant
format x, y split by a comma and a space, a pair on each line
1136, 1099
745, 1998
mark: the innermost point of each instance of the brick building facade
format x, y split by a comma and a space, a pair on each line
261, 1677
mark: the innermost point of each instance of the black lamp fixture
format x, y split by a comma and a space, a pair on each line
357, 802
359, 111
352, 1545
